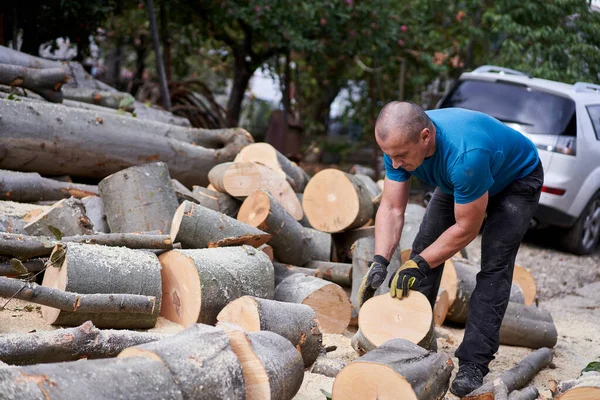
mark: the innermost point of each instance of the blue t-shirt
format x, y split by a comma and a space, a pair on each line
474, 153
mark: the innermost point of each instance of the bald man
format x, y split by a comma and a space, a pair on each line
482, 169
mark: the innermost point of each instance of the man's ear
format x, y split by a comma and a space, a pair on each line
425, 135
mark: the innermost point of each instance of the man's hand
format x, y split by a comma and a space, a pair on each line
408, 276
372, 279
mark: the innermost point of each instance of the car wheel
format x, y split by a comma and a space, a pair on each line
582, 238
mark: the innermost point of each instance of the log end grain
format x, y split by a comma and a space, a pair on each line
523, 278
441, 308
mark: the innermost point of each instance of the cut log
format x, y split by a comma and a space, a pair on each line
31, 187
221, 202
65, 218
459, 279
335, 201
202, 361
398, 369
516, 377
326, 366
586, 387
264, 153
296, 322
304, 221
7, 267
440, 310
12, 215
130, 240
139, 199
329, 300
268, 250
136, 378
283, 271
271, 365
153, 113
370, 184
88, 269
197, 284
182, 192
523, 278
289, 242
94, 210
36, 138
321, 244
343, 242
527, 326
115, 100
32, 78
529, 393
69, 344
242, 179
382, 318
198, 227
333, 272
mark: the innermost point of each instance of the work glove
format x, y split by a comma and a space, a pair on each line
408, 276
372, 279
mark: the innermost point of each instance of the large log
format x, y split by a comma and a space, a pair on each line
266, 154
527, 326
335, 201
12, 215
329, 300
221, 202
398, 369
139, 199
271, 365
516, 377
334, 272
586, 387
297, 323
198, 227
115, 100
242, 179
87, 269
197, 284
69, 344
383, 318
201, 359
321, 244
94, 210
65, 218
36, 138
31, 187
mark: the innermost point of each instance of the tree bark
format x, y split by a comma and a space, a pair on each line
334, 272
31, 187
527, 326
529, 393
14, 216
326, 366
160, 67
104, 98
516, 377
24, 247
65, 218
69, 344
32, 78
202, 361
370, 184
88, 269
198, 227
139, 199
397, 369
296, 322
321, 244
34, 139
221, 202
94, 210
198, 284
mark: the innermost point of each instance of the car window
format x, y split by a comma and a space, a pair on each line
533, 111
594, 113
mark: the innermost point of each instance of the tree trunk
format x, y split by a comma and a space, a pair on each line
335, 201
587, 386
198, 227
104, 98
241, 76
160, 67
527, 326
202, 360
296, 322
36, 139
65, 218
69, 344
7, 267
221, 202
333, 272
87, 269
139, 199
13, 214
383, 318
31, 187
398, 369
516, 377
321, 244
289, 242
243, 178
329, 300
197, 284
94, 210
264, 153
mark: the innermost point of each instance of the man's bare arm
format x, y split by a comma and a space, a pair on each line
390, 217
469, 218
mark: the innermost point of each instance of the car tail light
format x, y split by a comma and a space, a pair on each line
561, 144
551, 190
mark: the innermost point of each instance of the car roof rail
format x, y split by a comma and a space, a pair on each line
500, 70
586, 87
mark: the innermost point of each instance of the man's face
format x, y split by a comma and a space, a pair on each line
404, 152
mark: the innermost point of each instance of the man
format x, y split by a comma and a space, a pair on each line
482, 169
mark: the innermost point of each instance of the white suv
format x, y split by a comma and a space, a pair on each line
564, 123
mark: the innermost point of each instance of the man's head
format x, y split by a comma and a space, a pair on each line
405, 133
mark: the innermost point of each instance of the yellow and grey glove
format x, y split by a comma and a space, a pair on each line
408, 276
372, 279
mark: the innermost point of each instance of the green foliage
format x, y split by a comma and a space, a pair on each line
56, 232
327, 395
18, 266
593, 366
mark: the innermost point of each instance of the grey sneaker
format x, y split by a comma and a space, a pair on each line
468, 378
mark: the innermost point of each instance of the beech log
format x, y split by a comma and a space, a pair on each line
370, 184
343, 242
221, 202
586, 387
31, 187
440, 310
334, 272
65, 218
529, 393
527, 326
94, 210
32, 78
13, 214
115, 100
321, 244
523, 278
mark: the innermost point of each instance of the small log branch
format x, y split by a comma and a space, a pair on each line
7, 267
221, 202
529, 393
101, 98
32, 78
31, 187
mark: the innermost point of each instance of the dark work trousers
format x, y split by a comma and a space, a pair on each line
508, 215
